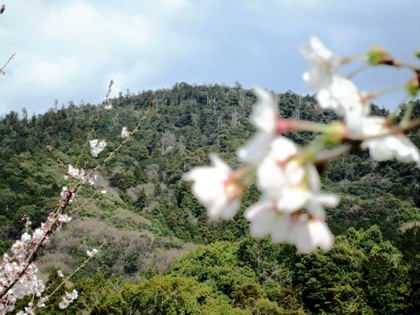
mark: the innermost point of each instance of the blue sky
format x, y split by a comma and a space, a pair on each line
70, 50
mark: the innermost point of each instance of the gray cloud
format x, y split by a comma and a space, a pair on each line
69, 50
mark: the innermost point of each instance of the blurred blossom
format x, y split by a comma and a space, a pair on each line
96, 147
215, 187
76, 173
264, 117
68, 298
64, 218
92, 253
383, 145
323, 64
124, 133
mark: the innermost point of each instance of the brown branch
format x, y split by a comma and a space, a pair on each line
33, 252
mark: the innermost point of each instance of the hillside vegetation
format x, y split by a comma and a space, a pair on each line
161, 255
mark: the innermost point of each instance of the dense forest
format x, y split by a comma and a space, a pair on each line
160, 254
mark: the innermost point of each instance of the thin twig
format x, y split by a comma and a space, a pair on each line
95, 123
7, 62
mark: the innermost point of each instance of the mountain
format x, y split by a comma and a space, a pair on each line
148, 217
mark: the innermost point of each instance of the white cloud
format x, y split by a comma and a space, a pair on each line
49, 74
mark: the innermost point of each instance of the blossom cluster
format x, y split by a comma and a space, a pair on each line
18, 276
96, 146
124, 133
292, 205
340, 94
68, 298
91, 253
18, 271
76, 173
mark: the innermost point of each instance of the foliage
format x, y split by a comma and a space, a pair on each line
149, 218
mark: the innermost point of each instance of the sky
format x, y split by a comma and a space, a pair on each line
70, 50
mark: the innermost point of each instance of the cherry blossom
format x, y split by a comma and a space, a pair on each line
76, 173
216, 188
300, 229
64, 218
340, 96
383, 145
264, 117
124, 133
92, 180
266, 219
271, 173
96, 147
324, 65
91, 253
308, 234
68, 298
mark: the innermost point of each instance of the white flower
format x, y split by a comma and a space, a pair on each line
334, 91
38, 234
91, 253
385, 146
68, 298
316, 203
41, 302
96, 146
306, 195
60, 273
67, 193
64, 218
63, 304
264, 117
26, 237
323, 64
338, 95
108, 106
271, 173
93, 179
343, 97
265, 112
265, 219
124, 133
308, 234
76, 173
216, 189
63, 192
292, 205
29, 310
282, 177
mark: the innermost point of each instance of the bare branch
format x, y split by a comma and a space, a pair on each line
7, 62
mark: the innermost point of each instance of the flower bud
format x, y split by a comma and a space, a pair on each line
379, 56
413, 85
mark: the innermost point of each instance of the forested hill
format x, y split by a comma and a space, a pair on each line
149, 217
